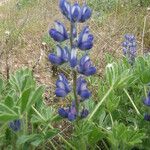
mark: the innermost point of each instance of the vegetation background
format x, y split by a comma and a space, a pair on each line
24, 41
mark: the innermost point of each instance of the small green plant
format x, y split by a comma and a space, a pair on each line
24, 117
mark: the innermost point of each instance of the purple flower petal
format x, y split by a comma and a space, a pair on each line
62, 112
54, 59
147, 117
75, 12
60, 92
85, 13
84, 113
71, 117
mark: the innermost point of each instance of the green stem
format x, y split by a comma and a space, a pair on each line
74, 91
26, 123
111, 119
137, 111
72, 26
100, 103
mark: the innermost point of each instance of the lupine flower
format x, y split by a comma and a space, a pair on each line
15, 125
61, 56
147, 117
75, 12
63, 112
65, 8
69, 112
73, 57
85, 41
82, 90
72, 114
62, 86
129, 47
59, 33
147, 100
85, 13
85, 66
84, 113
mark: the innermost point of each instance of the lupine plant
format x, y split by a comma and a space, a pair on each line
115, 115
129, 47
24, 118
76, 54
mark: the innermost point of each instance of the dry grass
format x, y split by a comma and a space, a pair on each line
28, 26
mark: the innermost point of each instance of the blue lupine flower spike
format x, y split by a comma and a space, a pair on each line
15, 125
75, 12
82, 90
85, 13
147, 100
72, 114
62, 86
65, 8
59, 33
61, 57
63, 112
85, 40
69, 112
85, 66
73, 57
84, 113
129, 47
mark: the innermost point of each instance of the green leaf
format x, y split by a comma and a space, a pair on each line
25, 98
6, 113
37, 142
36, 96
125, 137
9, 101
119, 76
51, 134
8, 117
27, 138
4, 108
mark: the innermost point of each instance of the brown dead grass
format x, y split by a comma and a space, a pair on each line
33, 23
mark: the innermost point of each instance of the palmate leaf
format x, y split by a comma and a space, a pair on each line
9, 101
28, 138
36, 139
8, 117
112, 102
22, 80
29, 97
25, 92
4, 108
6, 113
125, 137
25, 98
44, 114
142, 69
35, 97
118, 75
